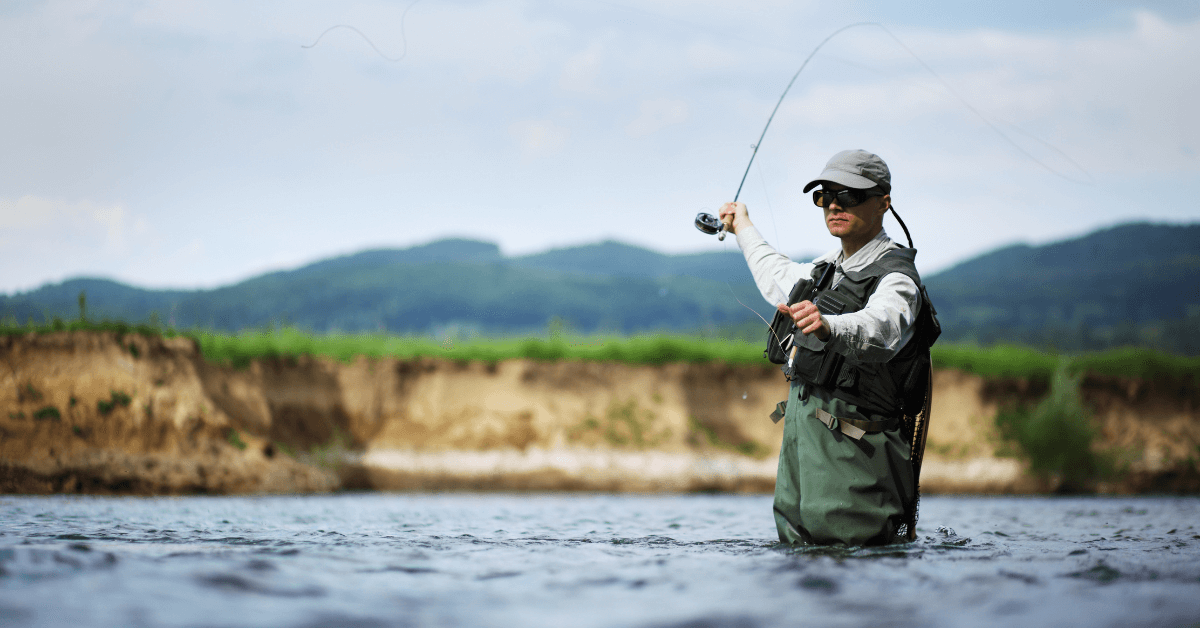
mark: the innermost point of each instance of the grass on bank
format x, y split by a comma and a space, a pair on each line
1000, 361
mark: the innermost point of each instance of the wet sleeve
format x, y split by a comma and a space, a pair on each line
879, 330
774, 273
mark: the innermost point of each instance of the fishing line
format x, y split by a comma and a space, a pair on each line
767, 198
782, 344
403, 37
984, 118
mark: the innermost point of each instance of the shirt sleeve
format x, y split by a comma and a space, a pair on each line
774, 273
879, 330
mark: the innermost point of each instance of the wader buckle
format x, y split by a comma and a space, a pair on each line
855, 428
842, 424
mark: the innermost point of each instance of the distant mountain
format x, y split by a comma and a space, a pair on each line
615, 259
446, 284
1131, 284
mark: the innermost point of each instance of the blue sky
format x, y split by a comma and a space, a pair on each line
190, 144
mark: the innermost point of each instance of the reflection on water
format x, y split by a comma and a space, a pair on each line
586, 560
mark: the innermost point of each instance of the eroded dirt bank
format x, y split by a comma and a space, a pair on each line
94, 412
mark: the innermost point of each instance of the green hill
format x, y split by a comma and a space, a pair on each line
1130, 284
1135, 284
446, 285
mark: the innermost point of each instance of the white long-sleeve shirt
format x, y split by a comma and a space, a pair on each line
873, 334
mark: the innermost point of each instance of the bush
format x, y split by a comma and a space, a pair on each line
48, 412
117, 398
1057, 434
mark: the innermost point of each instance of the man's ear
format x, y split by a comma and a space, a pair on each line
887, 203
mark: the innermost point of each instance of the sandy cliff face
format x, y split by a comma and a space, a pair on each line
148, 415
94, 413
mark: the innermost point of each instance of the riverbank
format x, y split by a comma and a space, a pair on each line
104, 412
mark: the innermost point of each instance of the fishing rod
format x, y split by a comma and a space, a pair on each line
710, 224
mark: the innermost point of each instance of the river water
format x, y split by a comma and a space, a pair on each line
375, 560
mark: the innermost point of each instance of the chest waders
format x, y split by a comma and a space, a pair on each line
891, 395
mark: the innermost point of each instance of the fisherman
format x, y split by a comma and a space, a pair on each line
845, 474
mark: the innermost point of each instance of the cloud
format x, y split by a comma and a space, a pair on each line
656, 114
581, 71
34, 215
539, 138
230, 146
59, 238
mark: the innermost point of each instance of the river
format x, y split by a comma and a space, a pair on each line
457, 559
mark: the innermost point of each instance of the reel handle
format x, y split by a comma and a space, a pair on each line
710, 224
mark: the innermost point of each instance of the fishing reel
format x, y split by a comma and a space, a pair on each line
711, 225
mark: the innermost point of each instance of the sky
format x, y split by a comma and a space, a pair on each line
191, 144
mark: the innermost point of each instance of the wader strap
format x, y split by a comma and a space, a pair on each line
855, 428
780, 410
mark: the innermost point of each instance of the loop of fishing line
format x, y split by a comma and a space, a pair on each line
403, 37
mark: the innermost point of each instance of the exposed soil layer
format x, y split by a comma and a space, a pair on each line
92, 412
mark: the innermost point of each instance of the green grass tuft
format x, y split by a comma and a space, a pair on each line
116, 398
235, 439
240, 349
48, 412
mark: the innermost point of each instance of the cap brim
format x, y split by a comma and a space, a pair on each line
840, 177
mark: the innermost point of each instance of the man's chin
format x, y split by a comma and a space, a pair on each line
837, 231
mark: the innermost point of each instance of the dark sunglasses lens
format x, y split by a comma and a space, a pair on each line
850, 198
845, 198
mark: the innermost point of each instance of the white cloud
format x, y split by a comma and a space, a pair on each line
29, 214
581, 71
539, 138
56, 238
656, 114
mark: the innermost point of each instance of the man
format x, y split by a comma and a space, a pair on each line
845, 474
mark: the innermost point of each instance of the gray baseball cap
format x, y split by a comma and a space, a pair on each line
855, 169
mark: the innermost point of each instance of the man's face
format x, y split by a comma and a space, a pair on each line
860, 222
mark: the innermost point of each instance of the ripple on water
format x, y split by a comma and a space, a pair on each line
35, 563
237, 583
590, 560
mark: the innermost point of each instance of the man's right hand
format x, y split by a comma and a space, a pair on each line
735, 216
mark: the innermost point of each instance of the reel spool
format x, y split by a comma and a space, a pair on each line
710, 224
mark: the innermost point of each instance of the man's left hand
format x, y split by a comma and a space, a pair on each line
808, 319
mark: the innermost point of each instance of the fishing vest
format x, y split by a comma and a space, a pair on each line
889, 389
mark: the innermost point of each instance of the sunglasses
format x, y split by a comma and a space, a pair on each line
845, 198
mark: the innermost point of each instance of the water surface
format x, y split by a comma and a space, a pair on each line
586, 560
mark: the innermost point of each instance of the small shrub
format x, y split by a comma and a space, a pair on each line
332, 454
28, 393
116, 398
1057, 434
624, 425
235, 439
133, 351
48, 412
